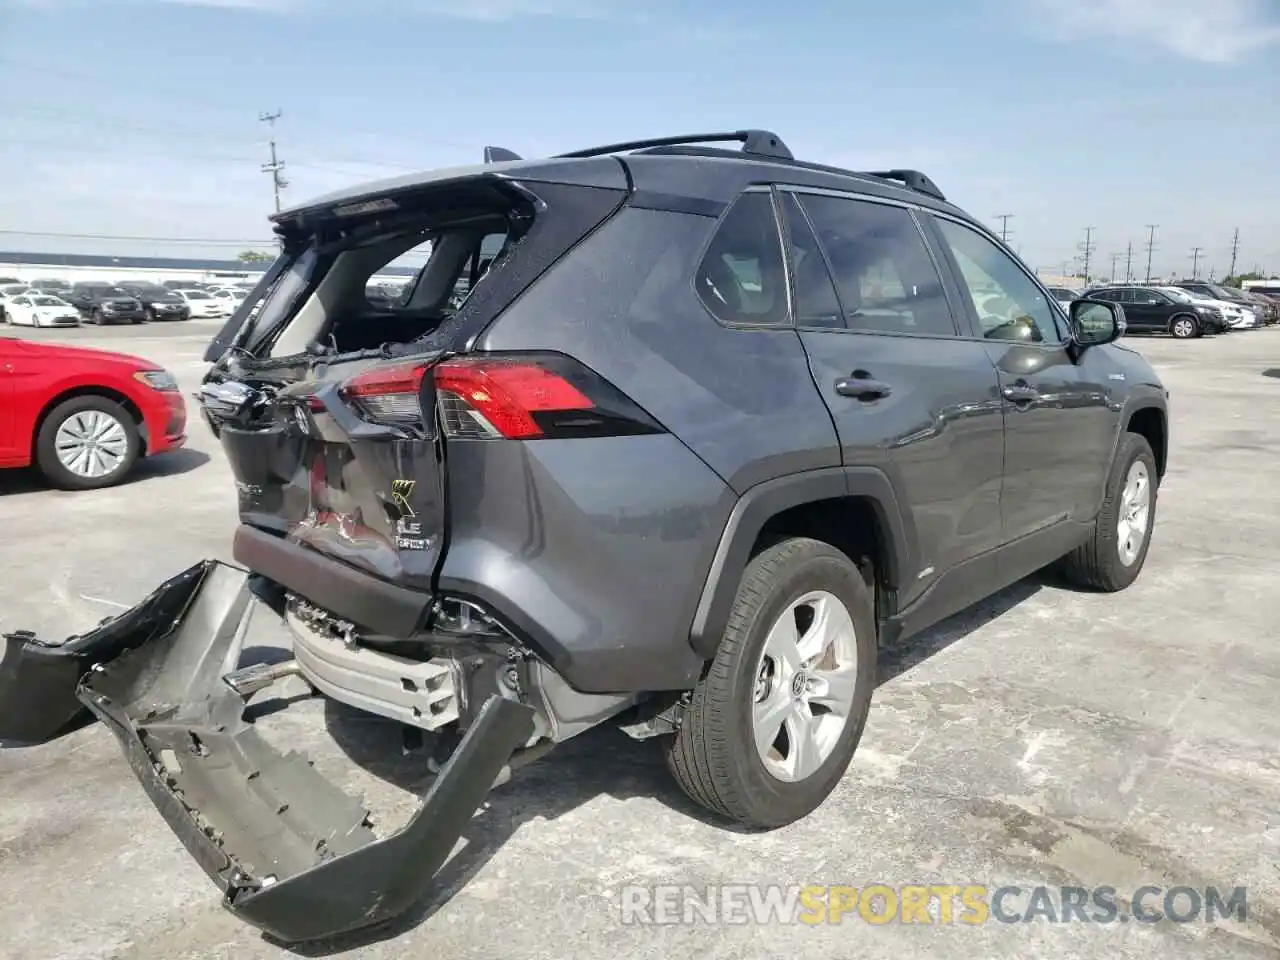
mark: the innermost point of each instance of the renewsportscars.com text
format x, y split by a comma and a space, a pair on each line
961, 904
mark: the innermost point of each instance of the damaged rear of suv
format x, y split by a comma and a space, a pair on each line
582, 470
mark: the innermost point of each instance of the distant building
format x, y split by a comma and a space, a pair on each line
78, 267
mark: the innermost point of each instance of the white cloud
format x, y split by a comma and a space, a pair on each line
1209, 31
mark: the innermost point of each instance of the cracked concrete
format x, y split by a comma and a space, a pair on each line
1044, 737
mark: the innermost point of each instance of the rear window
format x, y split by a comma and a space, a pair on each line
391, 285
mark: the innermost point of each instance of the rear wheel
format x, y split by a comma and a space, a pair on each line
86, 443
1184, 327
774, 721
1113, 557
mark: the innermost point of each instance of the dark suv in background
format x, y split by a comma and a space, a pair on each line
1151, 310
158, 303
105, 303
664, 434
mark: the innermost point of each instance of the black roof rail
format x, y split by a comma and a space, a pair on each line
913, 180
499, 154
757, 143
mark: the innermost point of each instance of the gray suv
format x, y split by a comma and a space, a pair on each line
664, 434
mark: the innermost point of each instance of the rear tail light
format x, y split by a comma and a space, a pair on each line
494, 399
388, 394
500, 397
531, 396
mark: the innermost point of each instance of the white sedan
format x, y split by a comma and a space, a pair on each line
40, 310
1237, 317
9, 291
202, 303
230, 298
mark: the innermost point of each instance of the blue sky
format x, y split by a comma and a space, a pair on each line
139, 118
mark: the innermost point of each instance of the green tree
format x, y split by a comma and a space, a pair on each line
1238, 279
254, 256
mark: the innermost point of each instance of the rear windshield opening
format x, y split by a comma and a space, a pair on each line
390, 283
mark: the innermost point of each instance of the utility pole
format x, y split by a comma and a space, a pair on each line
1115, 258
1235, 249
1086, 250
1151, 245
1195, 262
1004, 219
278, 182
1128, 264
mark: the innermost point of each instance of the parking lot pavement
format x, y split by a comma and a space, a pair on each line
1045, 737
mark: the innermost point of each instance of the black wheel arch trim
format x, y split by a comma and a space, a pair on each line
1145, 397
760, 503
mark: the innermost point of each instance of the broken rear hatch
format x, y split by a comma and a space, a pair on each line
323, 404
323, 399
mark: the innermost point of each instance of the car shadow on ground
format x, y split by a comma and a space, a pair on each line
601, 761
175, 463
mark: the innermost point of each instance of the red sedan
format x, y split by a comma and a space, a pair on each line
83, 417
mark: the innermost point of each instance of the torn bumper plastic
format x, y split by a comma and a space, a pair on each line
293, 854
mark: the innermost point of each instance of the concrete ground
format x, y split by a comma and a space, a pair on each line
1044, 737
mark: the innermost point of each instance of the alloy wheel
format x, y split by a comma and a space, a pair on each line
1135, 513
805, 683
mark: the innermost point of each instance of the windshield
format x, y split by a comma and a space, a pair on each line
196, 295
47, 302
1227, 293
11, 290
1177, 293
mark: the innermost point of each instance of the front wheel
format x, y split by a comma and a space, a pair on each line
87, 442
774, 721
1184, 328
1114, 555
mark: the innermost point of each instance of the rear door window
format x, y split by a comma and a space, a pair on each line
885, 278
741, 279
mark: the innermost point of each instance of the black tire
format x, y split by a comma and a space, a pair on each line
1096, 564
96, 318
1185, 327
713, 756
47, 457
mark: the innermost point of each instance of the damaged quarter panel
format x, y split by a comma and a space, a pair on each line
588, 547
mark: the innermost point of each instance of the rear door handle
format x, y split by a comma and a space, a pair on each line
1021, 392
862, 388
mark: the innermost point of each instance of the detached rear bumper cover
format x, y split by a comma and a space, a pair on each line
292, 854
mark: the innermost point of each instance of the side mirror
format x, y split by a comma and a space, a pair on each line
1095, 322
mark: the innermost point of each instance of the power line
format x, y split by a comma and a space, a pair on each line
278, 182
1151, 245
1004, 219
1086, 250
169, 132
1195, 262
1128, 263
1235, 249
